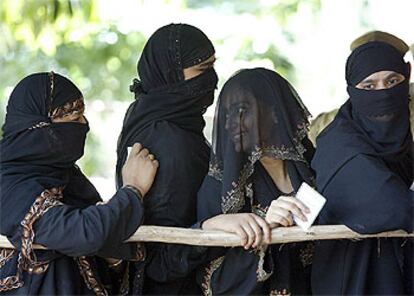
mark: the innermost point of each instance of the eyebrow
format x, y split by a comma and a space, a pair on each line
393, 75
368, 81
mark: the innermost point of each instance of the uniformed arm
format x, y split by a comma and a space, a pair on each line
367, 197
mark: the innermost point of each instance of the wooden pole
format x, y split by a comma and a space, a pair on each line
199, 237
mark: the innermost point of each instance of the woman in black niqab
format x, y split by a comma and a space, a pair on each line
364, 167
45, 199
167, 117
259, 117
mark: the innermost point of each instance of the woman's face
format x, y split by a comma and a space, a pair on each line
249, 122
242, 122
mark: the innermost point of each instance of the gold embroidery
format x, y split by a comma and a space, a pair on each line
280, 292
262, 275
39, 125
5, 255
48, 199
209, 270
234, 200
215, 171
89, 277
306, 254
27, 258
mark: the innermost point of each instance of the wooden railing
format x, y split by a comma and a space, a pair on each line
280, 235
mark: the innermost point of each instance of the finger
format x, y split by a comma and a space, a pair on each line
144, 152
155, 163
267, 235
136, 148
243, 236
292, 208
279, 219
250, 235
257, 232
286, 215
297, 203
273, 225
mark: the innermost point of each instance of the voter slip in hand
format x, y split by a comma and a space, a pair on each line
313, 200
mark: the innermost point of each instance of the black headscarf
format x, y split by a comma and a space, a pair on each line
371, 122
364, 167
38, 154
258, 114
162, 94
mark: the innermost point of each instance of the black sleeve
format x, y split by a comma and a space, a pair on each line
209, 199
83, 232
172, 202
367, 197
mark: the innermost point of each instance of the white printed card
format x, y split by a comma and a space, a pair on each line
313, 200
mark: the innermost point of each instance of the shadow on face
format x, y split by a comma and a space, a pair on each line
249, 122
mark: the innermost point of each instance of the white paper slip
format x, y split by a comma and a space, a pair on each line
128, 150
412, 187
313, 200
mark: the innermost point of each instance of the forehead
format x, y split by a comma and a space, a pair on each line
238, 96
380, 75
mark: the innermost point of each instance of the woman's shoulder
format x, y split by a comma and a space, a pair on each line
178, 141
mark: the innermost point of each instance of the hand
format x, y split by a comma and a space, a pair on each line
281, 210
139, 169
253, 230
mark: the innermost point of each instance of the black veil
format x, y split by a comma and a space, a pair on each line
258, 114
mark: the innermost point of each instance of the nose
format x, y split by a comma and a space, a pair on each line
381, 85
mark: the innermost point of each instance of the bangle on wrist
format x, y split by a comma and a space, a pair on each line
135, 190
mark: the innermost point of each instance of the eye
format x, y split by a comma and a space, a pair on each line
393, 81
368, 86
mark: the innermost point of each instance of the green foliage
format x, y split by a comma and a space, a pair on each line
280, 63
68, 37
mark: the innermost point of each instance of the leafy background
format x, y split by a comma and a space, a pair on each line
97, 44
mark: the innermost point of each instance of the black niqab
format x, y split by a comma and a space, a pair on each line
364, 167
163, 94
37, 154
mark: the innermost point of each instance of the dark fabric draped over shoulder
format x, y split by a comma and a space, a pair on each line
33, 150
258, 115
364, 167
167, 118
45, 198
162, 94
